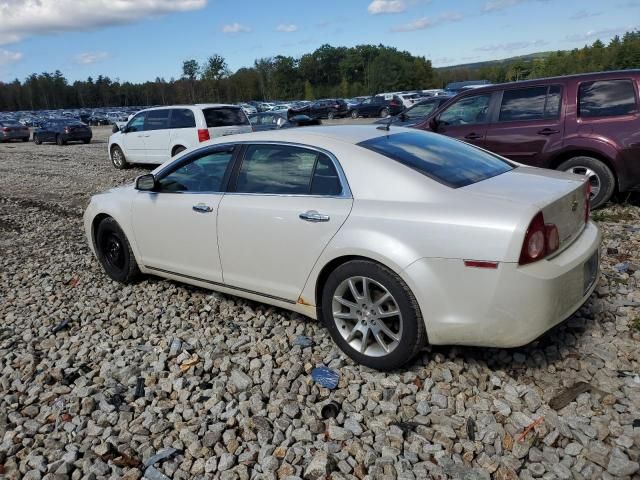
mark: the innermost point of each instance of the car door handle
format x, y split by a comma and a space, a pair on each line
473, 136
202, 208
548, 131
313, 216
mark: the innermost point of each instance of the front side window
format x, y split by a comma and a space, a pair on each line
286, 170
203, 174
448, 161
224, 117
182, 118
606, 98
136, 124
422, 109
467, 111
157, 120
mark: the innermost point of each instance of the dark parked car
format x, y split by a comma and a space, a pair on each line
98, 119
327, 108
587, 124
12, 130
416, 113
378, 106
273, 121
62, 131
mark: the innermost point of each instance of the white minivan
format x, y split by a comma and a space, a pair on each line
155, 135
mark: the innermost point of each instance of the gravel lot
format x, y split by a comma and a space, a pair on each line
222, 381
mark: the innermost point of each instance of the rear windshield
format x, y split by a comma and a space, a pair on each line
451, 162
224, 117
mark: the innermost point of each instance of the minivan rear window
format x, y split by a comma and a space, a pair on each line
224, 117
448, 161
606, 98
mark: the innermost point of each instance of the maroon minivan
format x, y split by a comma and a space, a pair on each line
587, 124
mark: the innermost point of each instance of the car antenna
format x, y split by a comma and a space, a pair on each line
387, 125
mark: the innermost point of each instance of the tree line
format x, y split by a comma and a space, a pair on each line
326, 72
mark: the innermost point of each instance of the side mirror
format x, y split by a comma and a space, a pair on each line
115, 128
434, 123
146, 183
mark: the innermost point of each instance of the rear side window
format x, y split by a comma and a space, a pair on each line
157, 120
606, 98
284, 170
451, 162
534, 103
182, 118
224, 117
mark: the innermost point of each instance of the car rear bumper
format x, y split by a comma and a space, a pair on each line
17, 135
504, 307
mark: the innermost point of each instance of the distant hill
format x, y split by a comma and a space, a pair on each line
489, 63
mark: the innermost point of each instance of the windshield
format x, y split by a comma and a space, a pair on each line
451, 162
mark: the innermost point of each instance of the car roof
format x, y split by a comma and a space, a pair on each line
197, 105
349, 134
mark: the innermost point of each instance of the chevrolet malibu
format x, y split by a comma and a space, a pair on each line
392, 238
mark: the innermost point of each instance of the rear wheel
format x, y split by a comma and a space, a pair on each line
384, 112
354, 114
36, 139
177, 150
86, 140
331, 115
117, 158
601, 178
372, 315
114, 252
59, 140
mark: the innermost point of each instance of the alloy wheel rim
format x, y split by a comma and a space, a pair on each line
117, 158
367, 316
113, 252
592, 176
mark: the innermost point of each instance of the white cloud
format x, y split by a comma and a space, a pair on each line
235, 28
604, 34
580, 14
386, 6
7, 57
24, 18
88, 58
428, 22
495, 5
287, 28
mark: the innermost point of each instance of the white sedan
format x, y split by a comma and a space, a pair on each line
393, 238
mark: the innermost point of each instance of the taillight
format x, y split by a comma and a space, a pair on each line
587, 201
6, 129
540, 240
66, 130
203, 135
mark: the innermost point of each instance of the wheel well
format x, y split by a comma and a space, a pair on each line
112, 147
555, 163
330, 267
94, 227
173, 150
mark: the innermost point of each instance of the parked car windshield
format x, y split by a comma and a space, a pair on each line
445, 160
224, 117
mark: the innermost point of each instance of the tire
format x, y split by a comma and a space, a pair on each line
36, 140
114, 252
86, 140
602, 179
177, 150
354, 114
118, 159
408, 326
25, 139
331, 115
59, 140
384, 112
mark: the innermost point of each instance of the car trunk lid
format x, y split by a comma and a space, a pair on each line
561, 197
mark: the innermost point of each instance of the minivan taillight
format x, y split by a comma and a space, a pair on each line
587, 201
540, 240
203, 135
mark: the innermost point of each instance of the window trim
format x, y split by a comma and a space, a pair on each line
231, 187
631, 80
558, 116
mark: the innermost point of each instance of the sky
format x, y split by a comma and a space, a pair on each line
138, 40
